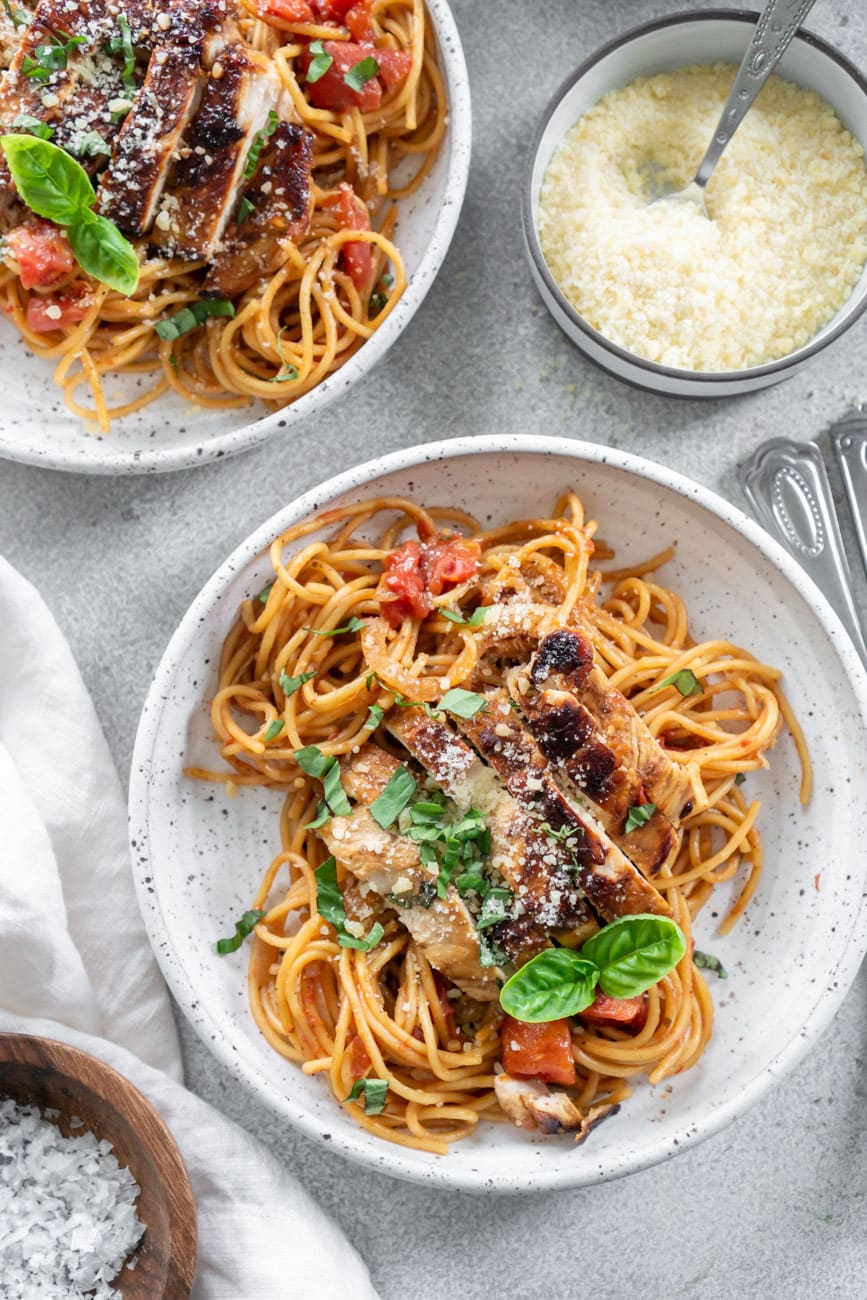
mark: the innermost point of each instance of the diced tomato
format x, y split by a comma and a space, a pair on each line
359, 1061
538, 1051
288, 11
414, 573
332, 11
57, 310
42, 252
331, 91
353, 215
631, 1013
446, 1005
393, 66
359, 21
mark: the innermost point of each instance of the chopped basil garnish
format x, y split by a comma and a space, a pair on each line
490, 953
289, 685
352, 626
740, 777
260, 139
245, 210
335, 795
453, 847
274, 729
287, 370
123, 45
27, 122
312, 760
322, 818
320, 63
189, 317
242, 929
89, 144
374, 1092
476, 619
265, 593
388, 806
376, 303
331, 907
707, 961
50, 58
639, 815
495, 908
685, 681
360, 73
463, 704
17, 17
375, 714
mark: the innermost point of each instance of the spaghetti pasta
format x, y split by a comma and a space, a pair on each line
317, 296
318, 660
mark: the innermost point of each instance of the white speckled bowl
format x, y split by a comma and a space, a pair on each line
37, 427
198, 856
696, 36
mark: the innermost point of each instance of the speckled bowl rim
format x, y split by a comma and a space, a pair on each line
458, 142
355, 1144
532, 244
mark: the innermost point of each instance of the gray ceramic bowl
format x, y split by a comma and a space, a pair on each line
687, 38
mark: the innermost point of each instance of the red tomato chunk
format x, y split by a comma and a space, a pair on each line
42, 252
629, 1013
538, 1051
332, 91
352, 214
57, 310
416, 572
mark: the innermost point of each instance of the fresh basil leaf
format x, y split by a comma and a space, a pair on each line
363, 945
103, 252
375, 714
312, 760
32, 68
376, 303
242, 929
260, 139
470, 882
320, 63
52, 184
329, 899
370, 680
463, 704
266, 591
490, 952
245, 210
387, 807
289, 685
634, 952
27, 122
685, 681
707, 961
374, 1092
476, 619
555, 983
639, 815
274, 729
740, 777
192, 315
360, 73
123, 45
352, 626
17, 17
335, 795
322, 818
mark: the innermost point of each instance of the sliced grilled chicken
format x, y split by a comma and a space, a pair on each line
279, 201
572, 743
240, 93
538, 869
674, 788
531, 1104
610, 881
387, 862
135, 179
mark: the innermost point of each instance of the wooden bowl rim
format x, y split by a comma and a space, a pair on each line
116, 1091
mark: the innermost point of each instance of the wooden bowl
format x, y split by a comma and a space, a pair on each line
43, 1073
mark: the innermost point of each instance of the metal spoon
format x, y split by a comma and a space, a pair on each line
777, 25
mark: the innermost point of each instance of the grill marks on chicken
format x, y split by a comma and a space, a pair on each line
176, 144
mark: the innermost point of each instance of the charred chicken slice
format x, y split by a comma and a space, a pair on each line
388, 863
531, 1104
241, 92
609, 880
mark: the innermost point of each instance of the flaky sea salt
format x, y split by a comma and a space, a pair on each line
67, 1210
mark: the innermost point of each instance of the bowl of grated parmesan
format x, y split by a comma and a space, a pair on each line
668, 297
95, 1200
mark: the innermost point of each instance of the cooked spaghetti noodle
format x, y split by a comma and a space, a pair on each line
384, 1014
306, 314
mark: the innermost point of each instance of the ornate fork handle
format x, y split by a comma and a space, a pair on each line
773, 34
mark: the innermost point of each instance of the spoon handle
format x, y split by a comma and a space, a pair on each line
777, 24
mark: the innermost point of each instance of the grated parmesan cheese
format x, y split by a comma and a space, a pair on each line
781, 253
67, 1210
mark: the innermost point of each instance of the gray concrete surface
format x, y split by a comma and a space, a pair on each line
775, 1206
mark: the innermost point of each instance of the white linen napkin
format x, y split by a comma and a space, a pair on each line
65, 875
